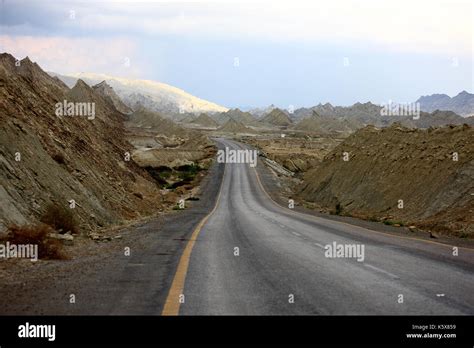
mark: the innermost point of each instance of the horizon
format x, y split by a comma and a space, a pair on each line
298, 53
245, 108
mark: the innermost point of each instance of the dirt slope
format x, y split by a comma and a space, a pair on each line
327, 125
64, 158
205, 121
107, 92
397, 163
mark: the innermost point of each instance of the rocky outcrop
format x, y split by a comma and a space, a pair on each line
47, 157
431, 171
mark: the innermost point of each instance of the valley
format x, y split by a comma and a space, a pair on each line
148, 182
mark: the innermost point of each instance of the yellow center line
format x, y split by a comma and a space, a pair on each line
172, 303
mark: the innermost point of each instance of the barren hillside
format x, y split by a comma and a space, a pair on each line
46, 159
277, 118
387, 165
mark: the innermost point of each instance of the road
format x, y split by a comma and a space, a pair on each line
281, 267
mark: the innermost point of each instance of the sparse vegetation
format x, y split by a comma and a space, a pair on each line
60, 219
37, 235
160, 175
172, 179
392, 222
188, 172
59, 158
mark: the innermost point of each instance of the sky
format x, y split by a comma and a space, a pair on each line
256, 53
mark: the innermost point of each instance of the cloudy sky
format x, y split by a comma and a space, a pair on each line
254, 53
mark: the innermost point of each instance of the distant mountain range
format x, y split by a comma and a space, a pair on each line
235, 114
259, 112
178, 105
365, 112
155, 96
462, 104
336, 120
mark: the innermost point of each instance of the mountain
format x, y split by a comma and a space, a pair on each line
108, 93
184, 117
48, 157
155, 96
233, 126
277, 118
367, 113
361, 114
146, 119
462, 104
187, 119
205, 121
327, 124
259, 112
237, 115
440, 118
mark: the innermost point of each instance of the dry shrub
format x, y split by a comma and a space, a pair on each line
59, 158
59, 218
48, 248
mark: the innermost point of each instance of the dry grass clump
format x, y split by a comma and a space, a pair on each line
59, 218
48, 248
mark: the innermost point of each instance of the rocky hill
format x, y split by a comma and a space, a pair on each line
108, 93
439, 118
144, 118
344, 119
327, 125
46, 158
462, 104
233, 126
277, 118
153, 95
367, 113
237, 115
161, 143
259, 112
397, 163
205, 121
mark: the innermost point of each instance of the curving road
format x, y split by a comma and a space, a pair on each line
281, 267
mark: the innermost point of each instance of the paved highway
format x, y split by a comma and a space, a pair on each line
186, 263
252, 256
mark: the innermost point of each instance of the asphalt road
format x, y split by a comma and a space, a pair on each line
281, 267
